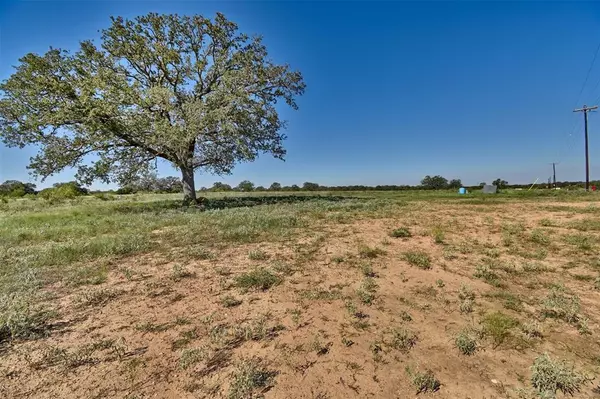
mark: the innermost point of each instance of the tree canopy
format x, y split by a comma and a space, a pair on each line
500, 183
434, 182
186, 89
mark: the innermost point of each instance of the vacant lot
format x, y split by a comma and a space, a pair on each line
375, 295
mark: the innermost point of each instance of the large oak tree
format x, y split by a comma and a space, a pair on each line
187, 89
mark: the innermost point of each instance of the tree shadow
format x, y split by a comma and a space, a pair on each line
206, 204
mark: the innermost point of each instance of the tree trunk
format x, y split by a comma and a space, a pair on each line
189, 188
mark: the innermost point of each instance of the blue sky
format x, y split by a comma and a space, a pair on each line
395, 90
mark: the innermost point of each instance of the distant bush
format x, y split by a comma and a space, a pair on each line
16, 189
63, 191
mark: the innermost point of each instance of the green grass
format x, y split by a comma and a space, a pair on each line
257, 279
420, 259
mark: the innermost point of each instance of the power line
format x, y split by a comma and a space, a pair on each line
576, 125
587, 75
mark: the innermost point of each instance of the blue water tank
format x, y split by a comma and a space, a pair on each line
462, 190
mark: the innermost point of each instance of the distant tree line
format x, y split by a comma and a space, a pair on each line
170, 184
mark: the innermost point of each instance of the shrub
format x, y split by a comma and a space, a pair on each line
549, 376
60, 191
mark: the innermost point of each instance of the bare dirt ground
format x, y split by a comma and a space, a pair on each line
343, 310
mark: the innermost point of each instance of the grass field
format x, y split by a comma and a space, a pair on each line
320, 295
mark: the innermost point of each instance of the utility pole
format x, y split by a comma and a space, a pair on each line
585, 111
554, 173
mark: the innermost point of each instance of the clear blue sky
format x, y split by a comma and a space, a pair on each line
395, 90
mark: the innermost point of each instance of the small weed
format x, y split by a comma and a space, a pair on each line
582, 326
365, 297
484, 272
151, 327
467, 299
419, 259
403, 339
182, 321
427, 291
251, 376
337, 259
367, 252
319, 348
366, 293
283, 268
350, 307
258, 254
561, 305
497, 325
223, 271
549, 376
201, 253
535, 268
438, 235
259, 279
424, 382
509, 300
367, 270
401, 232
465, 292
190, 357
376, 350
582, 277
296, 315
532, 329
405, 316
540, 237
597, 284
440, 283
230, 301
466, 341
581, 241
180, 272
549, 223
96, 297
